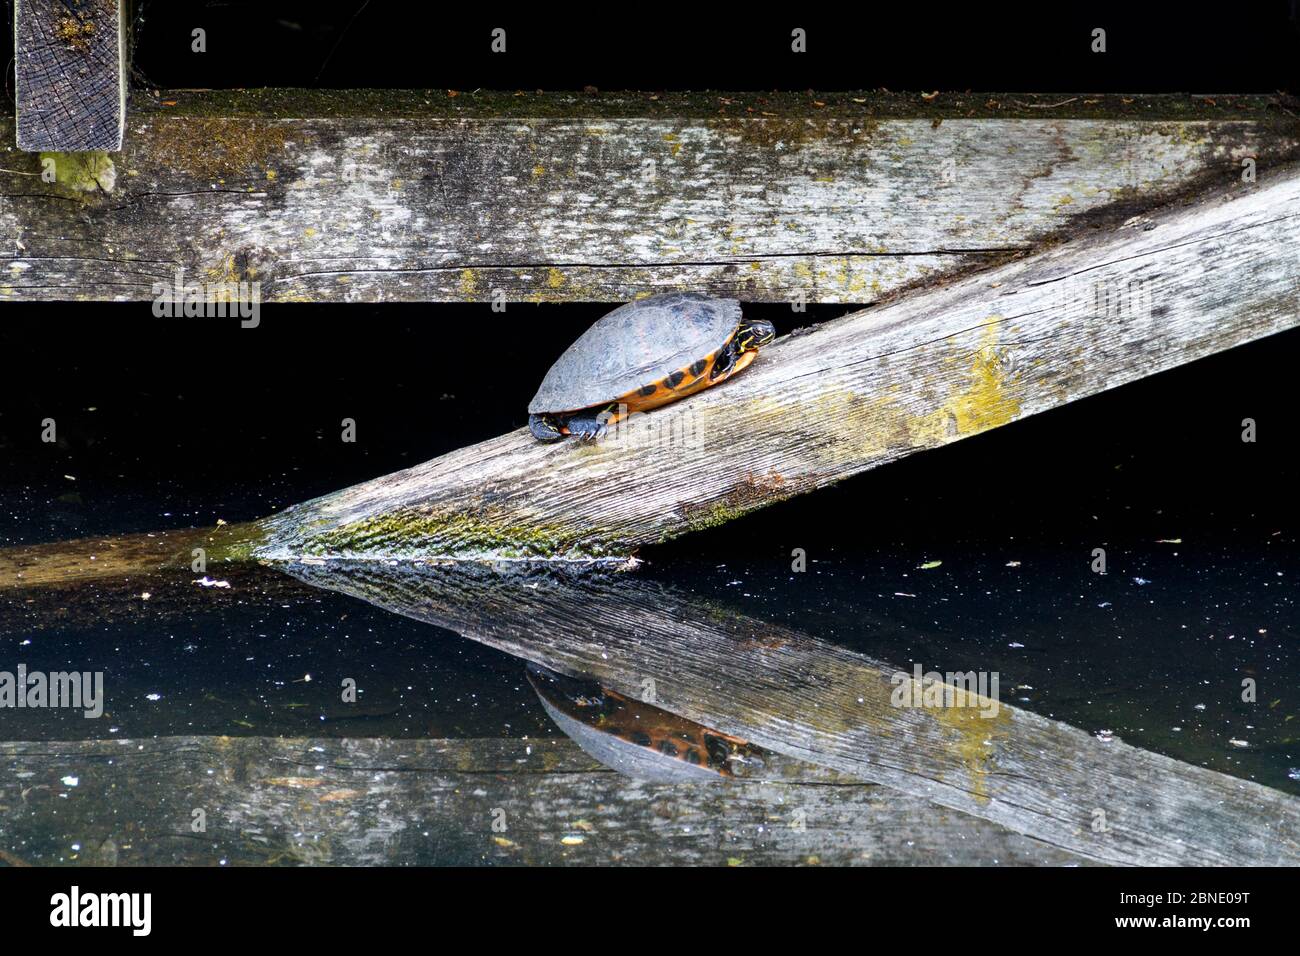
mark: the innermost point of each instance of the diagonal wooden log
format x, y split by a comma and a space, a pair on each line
930, 368
369, 196
820, 703
70, 74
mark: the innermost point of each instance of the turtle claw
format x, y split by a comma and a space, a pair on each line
586, 430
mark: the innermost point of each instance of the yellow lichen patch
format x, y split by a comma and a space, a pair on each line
223, 280
975, 744
309, 232
975, 724
75, 33
539, 172
989, 399
554, 278
468, 282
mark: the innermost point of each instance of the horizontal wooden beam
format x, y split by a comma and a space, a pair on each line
427, 196
924, 370
383, 802
820, 703
70, 74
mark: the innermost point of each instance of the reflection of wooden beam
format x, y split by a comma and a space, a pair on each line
107, 559
368, 196
70, 75
825, 705
924, 370
435, 802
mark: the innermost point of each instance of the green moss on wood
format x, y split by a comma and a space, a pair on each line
81, 175
525, 104
456, 535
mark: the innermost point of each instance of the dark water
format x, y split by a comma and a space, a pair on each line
171, 425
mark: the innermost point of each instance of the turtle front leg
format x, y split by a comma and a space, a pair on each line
585, 426
593, 423
544, 428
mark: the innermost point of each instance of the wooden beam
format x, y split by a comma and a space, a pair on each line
70, 74
822, 704
376, 802
919, 372
426, 196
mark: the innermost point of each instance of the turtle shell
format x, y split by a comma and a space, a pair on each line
638, 739
636, 344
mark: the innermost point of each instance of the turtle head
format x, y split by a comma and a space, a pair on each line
753, 334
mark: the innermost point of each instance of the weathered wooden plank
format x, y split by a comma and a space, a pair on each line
820, 703
461, 802
70, 74
563, 198
857, 392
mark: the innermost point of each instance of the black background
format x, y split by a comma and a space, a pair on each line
647, 45
1156, 47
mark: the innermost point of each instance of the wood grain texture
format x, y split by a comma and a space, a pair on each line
926, 369
70, 77
352, 802
823, 704
560, 199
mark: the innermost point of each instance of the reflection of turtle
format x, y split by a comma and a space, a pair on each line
640, 356
637, 739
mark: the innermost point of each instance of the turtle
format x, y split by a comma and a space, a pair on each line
636, 738
640, 356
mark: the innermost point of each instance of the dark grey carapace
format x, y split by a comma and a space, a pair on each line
643, 355
637, 739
